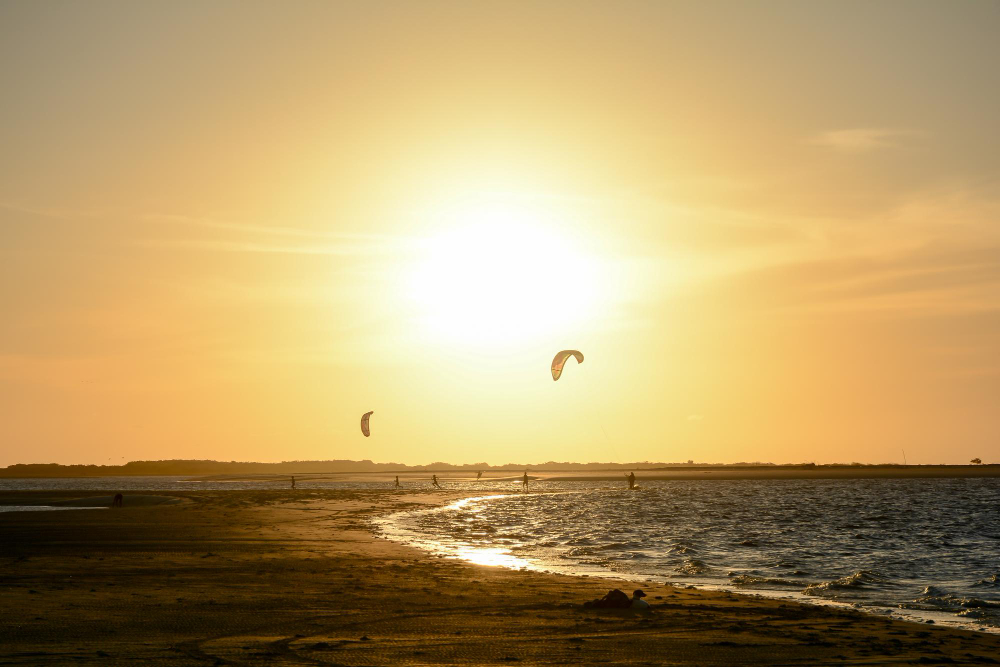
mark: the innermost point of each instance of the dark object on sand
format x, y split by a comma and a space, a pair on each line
118, 500
615, 599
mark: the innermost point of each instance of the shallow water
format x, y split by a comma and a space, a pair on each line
925, 549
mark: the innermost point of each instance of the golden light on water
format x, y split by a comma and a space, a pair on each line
489, 556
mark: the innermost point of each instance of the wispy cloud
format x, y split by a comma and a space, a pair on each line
860, 140
262, 230
215, 245
243, 237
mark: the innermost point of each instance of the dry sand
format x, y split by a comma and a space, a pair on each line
297, 578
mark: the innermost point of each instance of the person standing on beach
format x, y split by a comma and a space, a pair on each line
631, 480
434, 481
524, 480
397, 481
293, 481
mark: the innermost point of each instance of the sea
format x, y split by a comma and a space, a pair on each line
921, 549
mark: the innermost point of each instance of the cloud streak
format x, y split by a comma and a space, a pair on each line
860, 140
215, 245
262, 230
241, 237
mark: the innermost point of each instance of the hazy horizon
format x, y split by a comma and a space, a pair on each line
229, 229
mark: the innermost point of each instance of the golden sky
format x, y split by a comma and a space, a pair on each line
227, 229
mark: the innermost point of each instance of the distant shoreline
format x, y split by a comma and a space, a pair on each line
800, 472
584, 472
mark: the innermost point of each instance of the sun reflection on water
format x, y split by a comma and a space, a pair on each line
488, 556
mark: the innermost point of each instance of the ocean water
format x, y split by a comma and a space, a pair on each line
924, 549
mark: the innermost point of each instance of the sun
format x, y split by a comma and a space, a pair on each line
501, 274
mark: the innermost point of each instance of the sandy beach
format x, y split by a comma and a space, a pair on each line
297, 577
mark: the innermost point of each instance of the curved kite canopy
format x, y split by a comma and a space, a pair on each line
364, 423
560, 360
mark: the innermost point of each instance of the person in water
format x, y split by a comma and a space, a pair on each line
524, 480
631, 480
397, 481
293, 481
434, 481
479, 475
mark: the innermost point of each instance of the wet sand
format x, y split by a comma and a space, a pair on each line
296, 578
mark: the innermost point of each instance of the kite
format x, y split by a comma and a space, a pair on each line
560, 360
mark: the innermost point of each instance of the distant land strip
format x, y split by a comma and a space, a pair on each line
549, 470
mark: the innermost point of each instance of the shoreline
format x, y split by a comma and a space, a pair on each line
541, 472
500, 557
243, 577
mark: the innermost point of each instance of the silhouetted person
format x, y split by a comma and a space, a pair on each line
293, 481
397, 481
479, 475
631, 480
118, 500
524, 480
434, 481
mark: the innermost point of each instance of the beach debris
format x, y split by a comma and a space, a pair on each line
560, 360
615, 599
364, 423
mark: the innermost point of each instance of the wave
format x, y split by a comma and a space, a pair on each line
694, 566
938, 597
859, 579
990, 582
751, 580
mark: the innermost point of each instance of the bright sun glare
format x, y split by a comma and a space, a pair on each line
502, 275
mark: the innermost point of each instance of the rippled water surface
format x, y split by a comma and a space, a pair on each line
918, 548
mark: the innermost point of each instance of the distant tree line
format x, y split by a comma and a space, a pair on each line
204, 467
